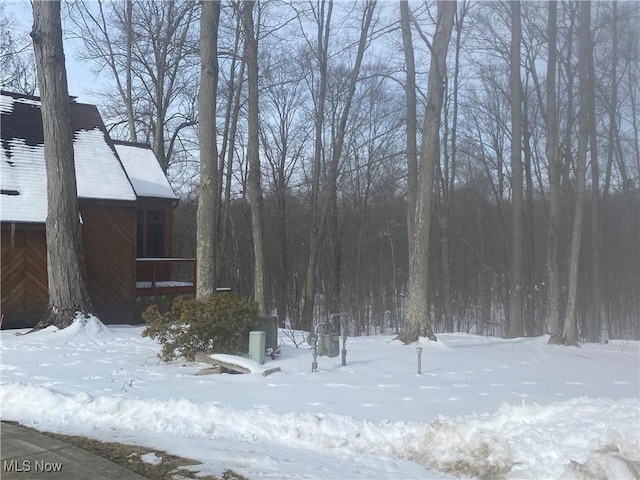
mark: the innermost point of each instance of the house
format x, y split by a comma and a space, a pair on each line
125, 206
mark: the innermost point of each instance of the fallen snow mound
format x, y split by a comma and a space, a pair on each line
564, 439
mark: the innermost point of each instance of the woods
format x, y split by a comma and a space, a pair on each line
293, 128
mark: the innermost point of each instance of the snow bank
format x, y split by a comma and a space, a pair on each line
560, 440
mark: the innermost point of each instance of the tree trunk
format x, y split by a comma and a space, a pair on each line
553, 265
569, 330
516, 320
417, 322
231, 123
253, 157
315, 233
529, 290
334, 302
133, 136
594, 321
449, 174
67, 278
207, 134
411, 118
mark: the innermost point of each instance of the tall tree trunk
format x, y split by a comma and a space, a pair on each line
315, 233
443, 304
569, 330
516, 319
253, 157
553, 265
133, 136
411, 117
231, 121
67, 278
336, 156
612, 132
529, 291
207, 134
417, 322
283, 274
594, 323
449, 173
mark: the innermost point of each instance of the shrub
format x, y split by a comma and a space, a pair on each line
219, 324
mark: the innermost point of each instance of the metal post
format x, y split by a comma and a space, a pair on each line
344, 350
314, 364
419, 360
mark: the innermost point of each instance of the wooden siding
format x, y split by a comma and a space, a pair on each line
108, 234
109, 237
24, 269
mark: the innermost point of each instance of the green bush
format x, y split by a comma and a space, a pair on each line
219, 324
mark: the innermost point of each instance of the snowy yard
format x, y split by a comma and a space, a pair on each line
482, 406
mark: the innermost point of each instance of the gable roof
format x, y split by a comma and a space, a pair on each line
23, 181
144, 171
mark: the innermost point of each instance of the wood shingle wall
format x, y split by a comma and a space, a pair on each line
109, 237
24, 269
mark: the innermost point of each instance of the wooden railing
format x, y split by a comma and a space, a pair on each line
165, 276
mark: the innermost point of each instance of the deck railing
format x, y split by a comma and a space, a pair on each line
165, 276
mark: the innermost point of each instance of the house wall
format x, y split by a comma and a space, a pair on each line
109, 239
24, 269
108, 234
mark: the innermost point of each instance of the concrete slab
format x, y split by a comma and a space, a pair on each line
28, 454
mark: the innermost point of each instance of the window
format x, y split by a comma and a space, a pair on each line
150, 234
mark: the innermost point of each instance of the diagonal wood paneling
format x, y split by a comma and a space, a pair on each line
109, 251
13, 270
24, 270
37, 290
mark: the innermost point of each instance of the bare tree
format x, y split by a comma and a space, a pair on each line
17, 69
149, 49
232, 116
208, 200
553, 266
516, 319
68, 292
337, 145
446, 170
323, 22
284, 137
417, 317
412, 116
253, 156
569, 330
594, 323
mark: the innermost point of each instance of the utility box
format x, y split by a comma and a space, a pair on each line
257, 346
328, 345
269, 325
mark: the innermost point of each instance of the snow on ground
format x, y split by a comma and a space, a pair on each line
482, 407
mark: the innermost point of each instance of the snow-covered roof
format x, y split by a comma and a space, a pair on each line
23, 180
105, 170
144, 171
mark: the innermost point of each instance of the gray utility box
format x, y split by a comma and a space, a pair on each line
329, 345
256, 346
269, 325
